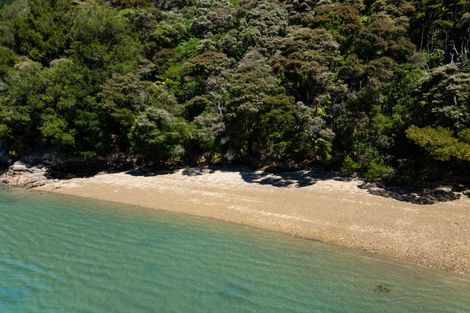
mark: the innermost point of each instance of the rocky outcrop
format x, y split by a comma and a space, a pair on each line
23, 176
430, 194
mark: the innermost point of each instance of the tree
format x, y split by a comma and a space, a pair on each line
158, 137
306, 59
378, 87
443, 98
25, 27
101, 40
248, 84
20, 107
384, 35
69, 104
441, 29
440, 142
342, 20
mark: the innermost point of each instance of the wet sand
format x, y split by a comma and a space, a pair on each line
326, 209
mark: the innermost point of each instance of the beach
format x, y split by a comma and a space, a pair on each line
324, 208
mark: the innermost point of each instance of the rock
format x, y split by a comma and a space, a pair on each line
19, 166
467, 193
20, 175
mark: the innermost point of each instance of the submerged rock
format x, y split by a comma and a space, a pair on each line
382, 289
21, 175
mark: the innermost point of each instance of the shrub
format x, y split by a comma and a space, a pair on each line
379, 172
349, 166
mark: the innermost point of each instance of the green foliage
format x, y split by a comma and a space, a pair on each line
375, 87
440, 143
278, 127
349, 166
443, 98
5, 2
158, 136
7, 60
25, 27
101, 39
55, 130
378, 172
440, 28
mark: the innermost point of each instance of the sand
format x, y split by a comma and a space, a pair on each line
326, 209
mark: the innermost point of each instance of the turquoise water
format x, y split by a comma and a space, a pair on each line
69, 255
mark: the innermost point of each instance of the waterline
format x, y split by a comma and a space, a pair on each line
61, 254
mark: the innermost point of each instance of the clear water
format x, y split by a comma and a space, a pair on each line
69, 255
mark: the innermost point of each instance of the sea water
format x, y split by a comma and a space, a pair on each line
67, 255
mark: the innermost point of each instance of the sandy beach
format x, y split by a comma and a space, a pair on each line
327, 209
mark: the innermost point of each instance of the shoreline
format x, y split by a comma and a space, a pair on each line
324, 209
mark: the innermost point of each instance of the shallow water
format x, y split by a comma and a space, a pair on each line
60, 254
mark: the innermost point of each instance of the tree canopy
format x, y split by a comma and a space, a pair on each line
377, 87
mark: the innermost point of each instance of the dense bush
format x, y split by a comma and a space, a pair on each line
376, 87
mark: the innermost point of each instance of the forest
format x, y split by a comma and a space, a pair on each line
375, 87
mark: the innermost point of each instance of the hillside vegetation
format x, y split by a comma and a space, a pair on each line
376, 87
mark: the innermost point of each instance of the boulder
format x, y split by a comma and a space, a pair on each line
20, 175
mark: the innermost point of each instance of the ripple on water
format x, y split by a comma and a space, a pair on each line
61, 254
